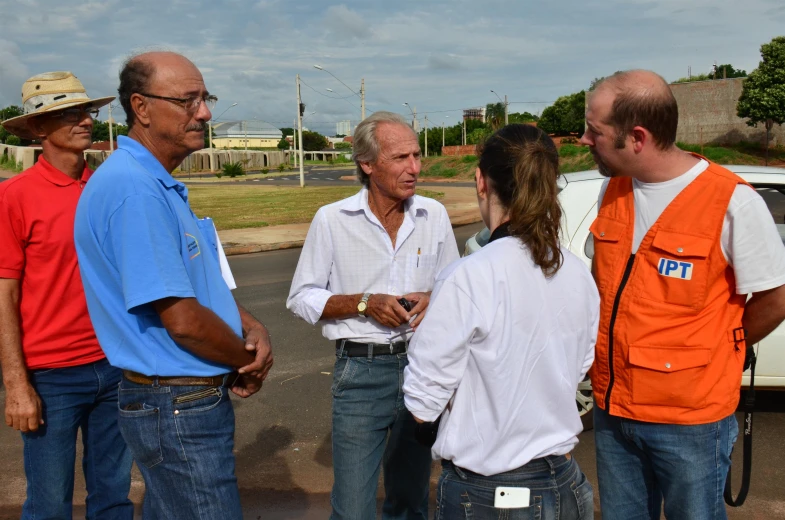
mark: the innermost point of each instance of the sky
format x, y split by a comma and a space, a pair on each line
437, 56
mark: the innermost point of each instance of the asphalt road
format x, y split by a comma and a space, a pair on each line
296, 408
283, 433
315, 177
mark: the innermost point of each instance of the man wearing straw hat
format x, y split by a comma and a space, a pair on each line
57, 378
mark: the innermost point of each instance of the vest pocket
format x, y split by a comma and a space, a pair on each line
669, 376
677, 267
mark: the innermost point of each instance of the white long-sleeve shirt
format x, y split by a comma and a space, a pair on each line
348, 251
501, 352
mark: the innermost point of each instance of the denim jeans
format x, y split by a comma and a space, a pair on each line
558, 491
641, 464
73, 398
371, 428
182, 438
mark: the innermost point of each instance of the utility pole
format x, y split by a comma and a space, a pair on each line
506, 120
212, 150
414, 121
300, 110
362, 99
426, 135
111, 144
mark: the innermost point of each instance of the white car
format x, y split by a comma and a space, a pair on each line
578, 196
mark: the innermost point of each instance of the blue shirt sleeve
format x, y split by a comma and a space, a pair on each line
144, 235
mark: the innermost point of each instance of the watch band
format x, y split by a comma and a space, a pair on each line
363, 305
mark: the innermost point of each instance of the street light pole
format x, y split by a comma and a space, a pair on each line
362, 99
111, 144
505, 106
426, 135
210, 128
300, 125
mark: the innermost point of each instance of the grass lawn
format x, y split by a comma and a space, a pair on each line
233, 207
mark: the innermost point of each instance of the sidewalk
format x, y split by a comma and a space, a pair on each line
460, 202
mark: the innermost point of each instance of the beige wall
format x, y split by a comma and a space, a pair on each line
253, 142
197, 161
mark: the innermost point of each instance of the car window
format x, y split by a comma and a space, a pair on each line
775, 201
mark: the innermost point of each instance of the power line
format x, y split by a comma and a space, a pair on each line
330, 97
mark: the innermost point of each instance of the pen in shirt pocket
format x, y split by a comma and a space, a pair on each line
418, 257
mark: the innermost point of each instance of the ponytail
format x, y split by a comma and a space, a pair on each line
522, 164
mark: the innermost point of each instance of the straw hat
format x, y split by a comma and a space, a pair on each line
50, 92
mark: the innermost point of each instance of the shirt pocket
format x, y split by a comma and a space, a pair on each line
420, 272
669, 376
676, 269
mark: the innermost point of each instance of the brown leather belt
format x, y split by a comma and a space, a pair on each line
141, 379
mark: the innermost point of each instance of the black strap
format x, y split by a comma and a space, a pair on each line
749, 405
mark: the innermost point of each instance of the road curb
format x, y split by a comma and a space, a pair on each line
232, 249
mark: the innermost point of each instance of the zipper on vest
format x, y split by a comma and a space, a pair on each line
611, 326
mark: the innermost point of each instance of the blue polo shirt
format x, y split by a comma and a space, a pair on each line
138, 241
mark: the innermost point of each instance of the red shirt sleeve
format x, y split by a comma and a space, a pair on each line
12, 241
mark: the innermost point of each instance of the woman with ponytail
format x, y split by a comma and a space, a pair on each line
509, 334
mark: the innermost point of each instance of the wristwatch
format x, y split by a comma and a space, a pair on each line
363, 305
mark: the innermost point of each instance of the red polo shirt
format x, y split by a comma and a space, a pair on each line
37, 209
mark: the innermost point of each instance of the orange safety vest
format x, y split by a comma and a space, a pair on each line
670, 346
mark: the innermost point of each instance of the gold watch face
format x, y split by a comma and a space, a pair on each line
361, 307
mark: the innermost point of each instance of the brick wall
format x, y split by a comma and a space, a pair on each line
468, 149
707, 113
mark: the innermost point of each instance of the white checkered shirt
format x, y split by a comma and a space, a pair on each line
348, 251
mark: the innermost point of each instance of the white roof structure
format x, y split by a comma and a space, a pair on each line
253, 129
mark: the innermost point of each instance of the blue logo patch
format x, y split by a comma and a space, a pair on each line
675, 269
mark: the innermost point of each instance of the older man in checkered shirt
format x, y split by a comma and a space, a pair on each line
362, 255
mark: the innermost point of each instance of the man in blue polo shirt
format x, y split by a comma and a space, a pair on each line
159, 305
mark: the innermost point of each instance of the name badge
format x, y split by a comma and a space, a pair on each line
675, 269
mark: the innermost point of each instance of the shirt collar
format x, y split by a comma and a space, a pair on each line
57, 177
500, 232
148, 161
359, 202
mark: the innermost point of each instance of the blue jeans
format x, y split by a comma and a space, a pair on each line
640, 465
371, 427
80, 397
182, 438
558, 491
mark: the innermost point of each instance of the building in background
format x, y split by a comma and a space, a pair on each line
343, 128
474, 113
242, 134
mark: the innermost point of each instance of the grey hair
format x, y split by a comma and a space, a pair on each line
366, 146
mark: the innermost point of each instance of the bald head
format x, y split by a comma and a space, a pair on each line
640, 98
141, 73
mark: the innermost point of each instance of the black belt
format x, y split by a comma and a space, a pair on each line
141, 379
354, 349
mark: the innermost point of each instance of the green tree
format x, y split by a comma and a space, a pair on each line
565, 116
101, 131
526, 117
283, 144
494, 115
13, 140
343, 146
287, 131
762, 97
313, 141
727, 71
7, 113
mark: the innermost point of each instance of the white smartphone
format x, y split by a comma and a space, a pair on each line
511, 497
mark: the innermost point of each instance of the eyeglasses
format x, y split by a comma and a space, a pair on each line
75, 115
190, 104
